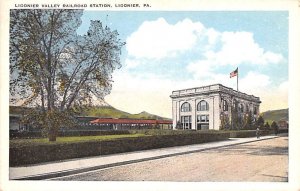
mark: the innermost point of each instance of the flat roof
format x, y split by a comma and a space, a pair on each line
130, 121
214, 88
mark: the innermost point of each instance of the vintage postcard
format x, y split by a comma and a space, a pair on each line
149, 95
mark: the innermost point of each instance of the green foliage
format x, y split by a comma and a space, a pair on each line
275, 127
111, 112
60, 140
267, 126
155, 132
56, 70
248, 121
105, 111
260, 121
225, 123
247, 133
59, 151
45, 119
96, 111
178, 125
234, 118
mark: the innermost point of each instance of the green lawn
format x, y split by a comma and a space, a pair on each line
59, 140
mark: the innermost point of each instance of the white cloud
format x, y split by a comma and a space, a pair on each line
235, 49
200, 69
158, 39
240, 47
137, 93
213, 36
254, 82
284, 86
155, 40
131, 63
270, 57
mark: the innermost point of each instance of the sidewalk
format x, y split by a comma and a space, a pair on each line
80, 165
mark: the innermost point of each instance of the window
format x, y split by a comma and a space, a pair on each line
185, 107
255, 111
202, 118
235, 105
225, 105
242, 108
247, 108
202, 106
186, 122
202, 122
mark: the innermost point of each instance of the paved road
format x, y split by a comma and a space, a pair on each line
265, 160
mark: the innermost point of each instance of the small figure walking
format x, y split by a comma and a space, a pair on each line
257, 133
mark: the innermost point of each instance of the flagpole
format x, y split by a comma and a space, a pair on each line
237, 79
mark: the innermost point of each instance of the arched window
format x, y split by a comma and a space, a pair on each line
185, 107
242, 108
235, 105
202, 106
255, 110
225, 105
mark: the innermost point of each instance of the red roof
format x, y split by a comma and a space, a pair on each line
130, 121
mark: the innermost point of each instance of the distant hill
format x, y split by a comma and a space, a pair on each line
111, 112
104, 111
276, 115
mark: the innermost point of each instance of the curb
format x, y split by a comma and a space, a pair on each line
82, 170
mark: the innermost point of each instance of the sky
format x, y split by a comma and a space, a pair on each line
167, 51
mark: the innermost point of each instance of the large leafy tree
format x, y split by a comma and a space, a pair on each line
56, 70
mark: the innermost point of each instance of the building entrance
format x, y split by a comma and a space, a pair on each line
202, 122
186, 122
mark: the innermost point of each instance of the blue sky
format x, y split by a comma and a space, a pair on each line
171, 50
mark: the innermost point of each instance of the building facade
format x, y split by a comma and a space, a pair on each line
212, 107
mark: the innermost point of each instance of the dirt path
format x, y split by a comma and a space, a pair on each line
257, 161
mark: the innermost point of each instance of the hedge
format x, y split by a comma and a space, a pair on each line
67, 133
24, 155
252, 133
171, 132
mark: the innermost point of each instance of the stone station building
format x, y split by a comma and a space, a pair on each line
207, 106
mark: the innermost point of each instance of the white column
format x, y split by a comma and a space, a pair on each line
193, 113
217, 112
175, 112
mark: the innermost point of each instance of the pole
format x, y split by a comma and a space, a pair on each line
237, 79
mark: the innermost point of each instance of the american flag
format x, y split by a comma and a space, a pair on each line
234, 73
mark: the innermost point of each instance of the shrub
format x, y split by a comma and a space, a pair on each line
267, 126
248, 133
68, 133
274, 126
260, 122
26, 154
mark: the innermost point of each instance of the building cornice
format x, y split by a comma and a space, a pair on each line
215, 88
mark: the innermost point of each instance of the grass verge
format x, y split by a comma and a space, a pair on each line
60, 140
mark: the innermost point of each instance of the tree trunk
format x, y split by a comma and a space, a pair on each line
52, 134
